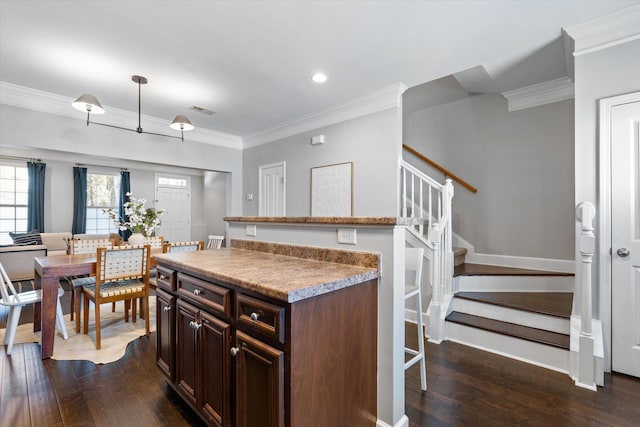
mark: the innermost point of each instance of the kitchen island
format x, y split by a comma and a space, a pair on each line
268, 334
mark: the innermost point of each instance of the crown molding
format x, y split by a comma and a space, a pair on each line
606, 31
540, 94
46, 102
383, 99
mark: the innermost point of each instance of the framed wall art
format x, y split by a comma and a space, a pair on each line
332, 190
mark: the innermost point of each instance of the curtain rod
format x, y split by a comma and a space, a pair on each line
30, 159
100, 166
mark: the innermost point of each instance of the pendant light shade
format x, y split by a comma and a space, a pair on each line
88, 103
181, 123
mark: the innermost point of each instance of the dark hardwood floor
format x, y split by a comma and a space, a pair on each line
466, 387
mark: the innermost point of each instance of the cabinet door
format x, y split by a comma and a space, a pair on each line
166, 333
259, 383
186, 354
214, 342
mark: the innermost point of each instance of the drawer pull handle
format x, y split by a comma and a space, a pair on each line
197, 292
163, 277
254, 316
195, 325
234, 351
166, 308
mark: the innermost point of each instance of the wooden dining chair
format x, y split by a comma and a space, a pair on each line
122, 274
88, 246
16, 300
183, 247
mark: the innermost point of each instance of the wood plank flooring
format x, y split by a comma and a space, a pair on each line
466, 387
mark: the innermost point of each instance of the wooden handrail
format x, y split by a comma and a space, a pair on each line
424, 158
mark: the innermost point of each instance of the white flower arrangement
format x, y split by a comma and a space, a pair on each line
141, 220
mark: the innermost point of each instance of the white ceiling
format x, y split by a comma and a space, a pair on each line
251, 61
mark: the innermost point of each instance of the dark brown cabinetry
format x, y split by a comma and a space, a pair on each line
240, 358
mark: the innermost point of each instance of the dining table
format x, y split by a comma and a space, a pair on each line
48, 272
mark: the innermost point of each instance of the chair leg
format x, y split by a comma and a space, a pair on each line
12, 325
420, 327
86, 315
78, 305
113, 307
127, 307
146, 310
142, 310
73, 303
97, 312
134, 314
60, 320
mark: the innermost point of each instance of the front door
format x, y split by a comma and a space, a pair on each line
175, 225
625, 238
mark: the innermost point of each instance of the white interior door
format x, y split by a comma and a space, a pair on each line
271, 194
176, 224
625, 238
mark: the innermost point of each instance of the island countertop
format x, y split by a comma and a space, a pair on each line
286, 278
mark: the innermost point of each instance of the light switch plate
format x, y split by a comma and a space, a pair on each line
347, 236
250, 230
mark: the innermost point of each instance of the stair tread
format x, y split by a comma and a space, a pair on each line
553, 339
557, 304
467, 269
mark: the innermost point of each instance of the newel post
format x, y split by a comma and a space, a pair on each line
436, 322
585, 213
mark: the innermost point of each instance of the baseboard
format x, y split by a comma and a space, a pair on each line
403, 422
546, 264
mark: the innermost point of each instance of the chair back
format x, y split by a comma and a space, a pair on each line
215, 242
122, 263
183, 246
89, 246
6, 287
155, 242
413, 258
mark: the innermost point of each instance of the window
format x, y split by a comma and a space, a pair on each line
172, 181
14, 187
103, 192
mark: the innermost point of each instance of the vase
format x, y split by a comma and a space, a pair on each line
137, 239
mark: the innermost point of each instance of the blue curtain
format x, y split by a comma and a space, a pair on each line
125, 188
35, 201
79, 200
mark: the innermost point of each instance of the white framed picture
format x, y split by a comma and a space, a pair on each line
331, 190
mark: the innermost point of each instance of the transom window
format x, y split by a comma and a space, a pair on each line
14, 188
103, 192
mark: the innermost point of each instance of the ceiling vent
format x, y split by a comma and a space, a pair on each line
203, 110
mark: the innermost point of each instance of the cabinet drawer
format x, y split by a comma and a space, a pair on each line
257, 315
213, 297
165, 278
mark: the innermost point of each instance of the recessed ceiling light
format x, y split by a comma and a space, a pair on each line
319, 77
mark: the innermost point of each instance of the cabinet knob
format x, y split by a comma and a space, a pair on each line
195, 325
197, 292
254, 316
166, 308
234, 351
163, 277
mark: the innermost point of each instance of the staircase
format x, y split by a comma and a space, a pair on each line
524, 314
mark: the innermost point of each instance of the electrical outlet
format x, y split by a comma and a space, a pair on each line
347, 236
250, 230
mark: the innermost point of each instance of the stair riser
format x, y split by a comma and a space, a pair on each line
505, 314
515, 348
513, 284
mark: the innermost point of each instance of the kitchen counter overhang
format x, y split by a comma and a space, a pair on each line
282, 277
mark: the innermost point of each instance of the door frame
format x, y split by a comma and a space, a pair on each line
604, 213
284, 186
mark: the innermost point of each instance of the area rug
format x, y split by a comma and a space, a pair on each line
116, 335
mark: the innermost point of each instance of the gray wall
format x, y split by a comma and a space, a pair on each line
521, 162
601, 74
370, 142
61, 142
